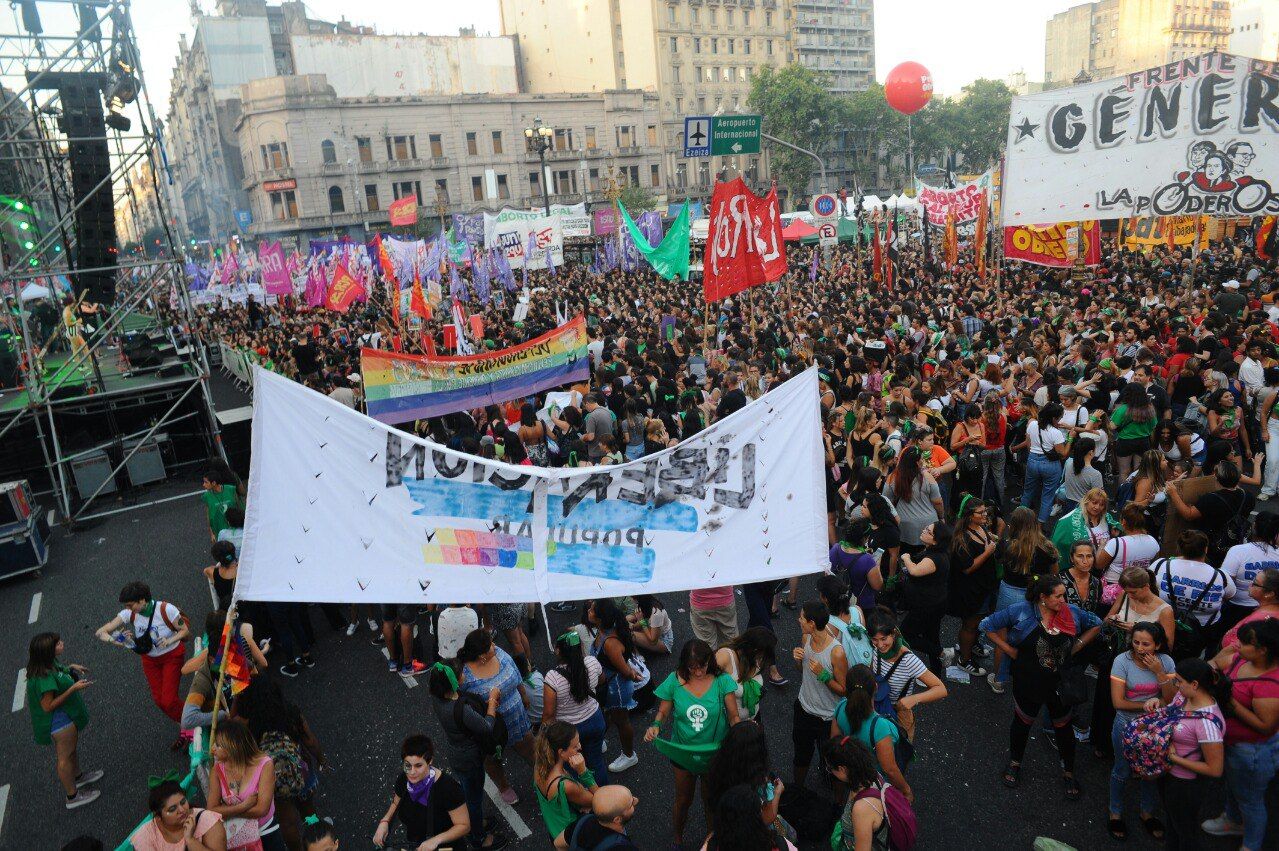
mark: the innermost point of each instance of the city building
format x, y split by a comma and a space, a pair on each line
317, 164
1112, 37
137, 209
837, 38
697, 56
1254, 29
1021, 85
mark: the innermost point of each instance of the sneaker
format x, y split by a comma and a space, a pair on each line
510, 797
995, 685
412, 669
306, 661
1261, 497
982, 651
87, 777
1221, 826
378, 640
563, 607
350, 630
973, 669
374, 626
393, 666
288, 669
948, 657
623, 762
82, 797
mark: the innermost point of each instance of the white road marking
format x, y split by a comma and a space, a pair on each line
512, 818
4, 804
34, 615
20, 691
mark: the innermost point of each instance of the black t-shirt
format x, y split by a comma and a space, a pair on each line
734, 400
421, 823
593, 834
1216, 509
305, 354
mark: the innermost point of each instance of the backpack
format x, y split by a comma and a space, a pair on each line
490, 744
1124, 493
1192, 637
855, 641
611, 841
1146, 738
884, 700
903, 748
903, 828
143, 644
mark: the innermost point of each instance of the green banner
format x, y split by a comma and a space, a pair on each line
670, 259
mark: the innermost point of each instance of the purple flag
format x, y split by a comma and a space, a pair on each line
315, 285
550, 263
504, 268
480, 277
457, 289
812, 268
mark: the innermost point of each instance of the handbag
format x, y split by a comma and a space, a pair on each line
242, 834
1072, 687
144, 644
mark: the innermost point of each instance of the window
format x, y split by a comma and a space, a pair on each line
701, 103
336, 203
679, 106
769, 45
730, 46
401, 147
284, 205
746, 18
714, 45
565, 182
741, 74
497, 141
625, 137
328, 153
365, 147
697, 44
590, 138
534, 183
594, 180
728, 74
674, 44
652, 135
697, 73
275, 155
477, 189
681, 174
768, 19
407, 188
672, 14
746, 46
563, 140
503, 187
442, 189
472, 146
703, 172
694, 15
674, 73
655, 174
437, 146
370, 198
728, 17
631, 173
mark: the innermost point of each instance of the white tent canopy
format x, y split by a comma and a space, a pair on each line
34, 291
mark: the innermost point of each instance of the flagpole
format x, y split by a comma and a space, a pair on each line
217, 691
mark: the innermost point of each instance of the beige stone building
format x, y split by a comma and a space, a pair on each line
1112, 37
316, 164
697, 56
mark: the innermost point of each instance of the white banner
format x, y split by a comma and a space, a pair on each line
342, 508
1197, 136
573, 220
964, 200
513, 238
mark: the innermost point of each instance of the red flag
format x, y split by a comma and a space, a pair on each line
745, 245
1266, 241
877, 261
952, 242
890, 253
428, 342
979, 238
1170, 232
404, 211
343, 289
417, 301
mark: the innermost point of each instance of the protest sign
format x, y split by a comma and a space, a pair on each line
1052, 245
404, 211
275, 277
744, 247
965, 200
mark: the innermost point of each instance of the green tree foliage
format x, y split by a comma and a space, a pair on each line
636, 199
797, 106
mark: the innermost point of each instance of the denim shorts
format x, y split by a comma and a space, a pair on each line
59, 721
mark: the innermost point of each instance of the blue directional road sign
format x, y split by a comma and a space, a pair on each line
697, 136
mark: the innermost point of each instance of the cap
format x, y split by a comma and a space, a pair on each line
354, 378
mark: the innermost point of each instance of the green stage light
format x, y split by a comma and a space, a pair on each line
24, 225
19, 206
28, 245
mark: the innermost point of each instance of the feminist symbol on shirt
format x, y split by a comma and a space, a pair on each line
697, 716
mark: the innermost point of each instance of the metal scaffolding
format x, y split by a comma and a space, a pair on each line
45, 38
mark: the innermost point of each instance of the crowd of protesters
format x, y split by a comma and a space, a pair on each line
1004, 461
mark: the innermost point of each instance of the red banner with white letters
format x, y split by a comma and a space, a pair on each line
404, 211
744, 247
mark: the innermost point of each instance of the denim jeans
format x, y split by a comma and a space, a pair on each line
1249, 767
591, 733
1121, 772
473, 791
1006, 596
1043, 477
992, 473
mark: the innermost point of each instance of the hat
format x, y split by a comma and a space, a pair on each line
1232, 284
354, 378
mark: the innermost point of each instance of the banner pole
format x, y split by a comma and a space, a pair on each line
546, 623
217, 691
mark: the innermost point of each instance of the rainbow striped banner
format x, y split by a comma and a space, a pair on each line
399, 388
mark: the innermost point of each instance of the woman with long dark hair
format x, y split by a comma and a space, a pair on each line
924, 592
58, 713
855, 716
614, 647
738, 829
565, 786
465, 723
1198, 749
745, 659
1133, 420
915, 496
532, 434
486, 666
864, 815
1047, 445
177, 826
743, 758
973, 577
994, 449
568, 694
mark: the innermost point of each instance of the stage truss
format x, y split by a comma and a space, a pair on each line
87, 37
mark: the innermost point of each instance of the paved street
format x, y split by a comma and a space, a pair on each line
360, 713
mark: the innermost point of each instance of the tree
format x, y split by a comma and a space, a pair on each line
798, 107
981, 122
636, 199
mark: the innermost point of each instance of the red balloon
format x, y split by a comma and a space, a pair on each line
908, 88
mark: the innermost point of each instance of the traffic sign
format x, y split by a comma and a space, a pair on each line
734, 134
697, 136
824, 205
827, 234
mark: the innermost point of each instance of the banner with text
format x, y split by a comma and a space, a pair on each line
512, 237
964, 200
1147, 232
275, 277
744, 247
1196, 136
342, 508
1052, 245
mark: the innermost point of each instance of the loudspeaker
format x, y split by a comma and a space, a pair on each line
82, 122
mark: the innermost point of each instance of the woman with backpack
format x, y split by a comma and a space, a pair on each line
1040, 635
875, 817
1244, 563
1196, 750
855, 716
1133, 420
1133, 548
469, 731
738, 829
967, 443
851, 559
924, 590
486, 666
1140, 673
1221, 514
568, 694
1196, 591
915, 497
564, 785
1251, 727
898, 671
427, 801
614, 647
743, 758
845, 619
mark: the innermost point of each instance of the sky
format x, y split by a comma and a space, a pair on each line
957, 41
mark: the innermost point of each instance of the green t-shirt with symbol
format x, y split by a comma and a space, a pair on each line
697, 720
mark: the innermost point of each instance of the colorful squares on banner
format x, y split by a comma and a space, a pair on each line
473, 547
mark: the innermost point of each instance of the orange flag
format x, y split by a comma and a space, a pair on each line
343, 289
951, 242
417, 300
979, 239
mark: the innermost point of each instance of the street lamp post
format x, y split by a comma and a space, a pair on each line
539, 137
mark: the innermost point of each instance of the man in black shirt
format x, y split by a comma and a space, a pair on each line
605, 828
305, 355
733, 400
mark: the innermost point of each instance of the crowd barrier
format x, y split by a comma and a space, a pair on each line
238, 363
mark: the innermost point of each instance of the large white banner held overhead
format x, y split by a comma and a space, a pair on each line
1199, 136
342, 508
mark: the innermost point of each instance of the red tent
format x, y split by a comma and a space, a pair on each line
797, 230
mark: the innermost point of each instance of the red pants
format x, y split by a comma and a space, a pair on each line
164, 674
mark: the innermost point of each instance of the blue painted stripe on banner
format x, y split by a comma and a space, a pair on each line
624, 564
422, 405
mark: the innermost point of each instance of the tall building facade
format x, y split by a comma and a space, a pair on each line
1112, 37
318, 164
697, 56
1254, 29
837, 38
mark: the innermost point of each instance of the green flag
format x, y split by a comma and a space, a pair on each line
670, 259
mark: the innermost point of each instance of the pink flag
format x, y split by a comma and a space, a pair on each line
315, 288
275, 277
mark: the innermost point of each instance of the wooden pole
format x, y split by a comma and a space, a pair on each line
217, 691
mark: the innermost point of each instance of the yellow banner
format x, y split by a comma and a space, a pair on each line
1144, 233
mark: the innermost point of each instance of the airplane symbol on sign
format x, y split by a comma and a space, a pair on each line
698, 138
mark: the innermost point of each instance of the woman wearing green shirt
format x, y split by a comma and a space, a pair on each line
221, 491
702, 701
58, 713
1134, 420
565, 786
